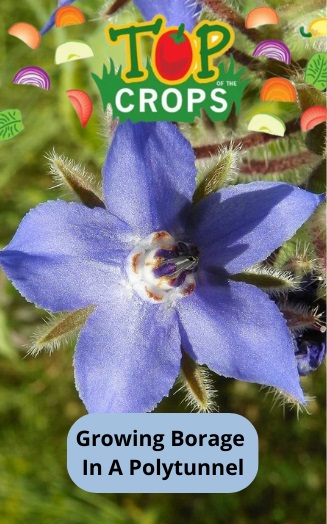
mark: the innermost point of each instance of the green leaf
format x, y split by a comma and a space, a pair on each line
10, 124
316, 71
217, 172
58, 330
267, 278
82, 184
197, 385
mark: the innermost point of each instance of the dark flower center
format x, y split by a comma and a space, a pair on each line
161, 269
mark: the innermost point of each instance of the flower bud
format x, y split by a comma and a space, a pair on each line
309, 354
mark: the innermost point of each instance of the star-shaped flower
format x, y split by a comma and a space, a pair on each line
157, 270
175, 11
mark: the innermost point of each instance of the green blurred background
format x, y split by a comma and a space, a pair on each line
38, 401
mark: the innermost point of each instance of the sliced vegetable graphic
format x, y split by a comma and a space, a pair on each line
34, 76
278, 90
318, 27
10, 124
173, 54
261, 16
312, 117
82, 104
273, 49
27, 33
316, 71
69, 15
265, 123
70, 51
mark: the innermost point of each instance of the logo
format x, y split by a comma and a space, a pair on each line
183, 76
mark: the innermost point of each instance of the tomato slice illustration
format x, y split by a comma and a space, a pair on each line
312, 117
173, 54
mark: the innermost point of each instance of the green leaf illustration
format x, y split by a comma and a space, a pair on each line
316, 71
10, 124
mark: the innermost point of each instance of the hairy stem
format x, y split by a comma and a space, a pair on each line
251, 140
118, 4
248, 61
277, 165
233, 18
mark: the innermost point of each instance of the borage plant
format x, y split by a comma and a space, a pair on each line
154, 271
161, 273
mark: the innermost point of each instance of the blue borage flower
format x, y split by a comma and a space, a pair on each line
157, 270
175, 11
309, 354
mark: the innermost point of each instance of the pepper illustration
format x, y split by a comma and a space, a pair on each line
317, 27
173, 54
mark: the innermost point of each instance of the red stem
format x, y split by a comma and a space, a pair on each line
248, 141
233, 18
115, 6
277, 165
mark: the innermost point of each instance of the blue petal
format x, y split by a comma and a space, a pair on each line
239, 332
128, 355
176, 12
62, 3
51, 21
149, 176
243, 224
64, 256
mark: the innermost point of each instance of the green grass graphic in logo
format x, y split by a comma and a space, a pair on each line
152, 100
